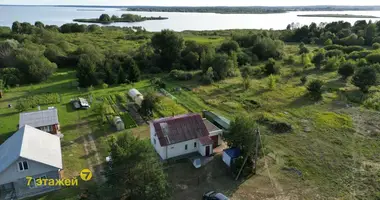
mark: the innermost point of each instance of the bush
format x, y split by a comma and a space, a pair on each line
346, 69
350, 49
332, 64
315, 89
272, 82
364, 78
332, 47
303, 80
334, 53
376, 46
180, 75
328, 42
373, 102
271, 67
358, 54
290, 60
373, 58
104, 86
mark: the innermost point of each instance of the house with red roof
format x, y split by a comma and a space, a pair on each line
184, 134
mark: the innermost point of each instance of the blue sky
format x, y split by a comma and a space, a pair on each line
194, 2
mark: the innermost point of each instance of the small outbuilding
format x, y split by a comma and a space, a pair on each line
136, 96
119, 124
230, 154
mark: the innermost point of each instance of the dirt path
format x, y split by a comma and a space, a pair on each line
93, 158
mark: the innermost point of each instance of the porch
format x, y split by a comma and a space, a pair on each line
7, 191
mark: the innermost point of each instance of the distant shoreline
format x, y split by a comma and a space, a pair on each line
90, 10
339, 16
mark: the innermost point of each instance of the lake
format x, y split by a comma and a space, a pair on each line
176, 21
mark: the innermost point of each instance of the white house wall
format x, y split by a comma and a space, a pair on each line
178, 149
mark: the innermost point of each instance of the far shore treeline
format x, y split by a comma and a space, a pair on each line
106, 19
31, 53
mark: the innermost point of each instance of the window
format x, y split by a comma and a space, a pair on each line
185, 146
195, 145
23, 166
46, 129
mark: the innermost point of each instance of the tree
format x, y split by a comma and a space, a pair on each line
7, 47
271, 67
86, 71
229, 47
346, 69
39, 24
303, 49
16, 27
364, 78
133, 72
142, 177
318, 59
370, 33
208, 77
168, 45
242, 134
191, 61
315, 89
148, 104
221, 66
104, 18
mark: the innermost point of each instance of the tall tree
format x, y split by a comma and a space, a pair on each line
16, 27
133, 72
142, 177
168, 45
86, 71
364, 78
318, 59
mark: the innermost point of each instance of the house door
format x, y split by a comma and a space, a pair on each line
207, 150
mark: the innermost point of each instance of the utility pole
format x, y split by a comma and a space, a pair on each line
256, 149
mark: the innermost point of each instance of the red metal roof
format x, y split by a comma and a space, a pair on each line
180, 128
206, 140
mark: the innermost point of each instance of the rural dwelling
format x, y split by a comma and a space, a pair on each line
136, 96
45, 120
229, 155
28, 152
183, 134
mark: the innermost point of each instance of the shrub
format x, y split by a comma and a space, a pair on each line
104, 86
358, 54
350, 49
328, 42
180, 75
362, 62
373, 102
315, 89
376, 46
334, 53
272, 82
332, 64
303, 80
346, 69
334, 46
364, 78
208, 77
290, 60
373, 58
271, 67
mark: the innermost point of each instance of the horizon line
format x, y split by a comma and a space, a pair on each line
81, 5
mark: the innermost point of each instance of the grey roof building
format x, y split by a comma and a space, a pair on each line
28, 152
39, 118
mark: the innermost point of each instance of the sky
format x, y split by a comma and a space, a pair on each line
193, 2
